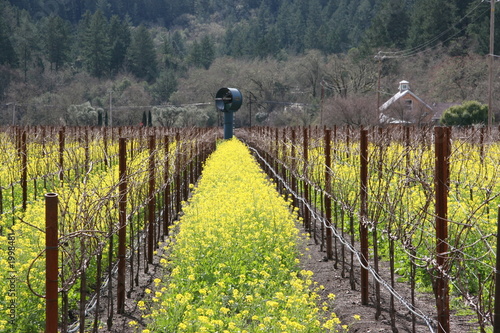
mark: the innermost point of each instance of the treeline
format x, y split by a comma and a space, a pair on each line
158, 44
268, 27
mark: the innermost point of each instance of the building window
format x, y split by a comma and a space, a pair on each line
408, 104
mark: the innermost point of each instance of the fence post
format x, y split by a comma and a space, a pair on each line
496, 315
61, 154
293, 165
151, 199
177, 173
307, 220
441, 181
363, 230
328, 189
122, 232
51, 262
24, 174
166, 192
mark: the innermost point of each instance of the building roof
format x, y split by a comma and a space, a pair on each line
439, 109
398, 96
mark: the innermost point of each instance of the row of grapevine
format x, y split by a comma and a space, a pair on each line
123, 181
234, 264
379, 186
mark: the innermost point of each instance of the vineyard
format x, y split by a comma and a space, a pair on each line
423, 200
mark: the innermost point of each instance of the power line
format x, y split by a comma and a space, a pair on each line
425, 45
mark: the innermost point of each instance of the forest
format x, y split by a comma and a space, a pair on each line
297, 62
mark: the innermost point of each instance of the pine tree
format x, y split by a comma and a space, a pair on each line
208, 52
432, 21
96, 50
26, 41
202, 53
56, 41
389, 28
119, 35
7, 53
141, 55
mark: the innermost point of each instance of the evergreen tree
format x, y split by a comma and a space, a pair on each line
312, 38
96, 50
173, 51
432, 21
119, 35
7, 53
56, 41
141, 55
26, 41
389, 28
164, 87
479, 28
202, 53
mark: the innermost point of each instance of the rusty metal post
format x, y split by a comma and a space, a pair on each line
122, 232
496, 315
166, 192
24, 172
293, 165
307, 213
105, 143
328, 190
61, 154
441, 180
283, 157
51, 262
178, 172
363, 229
152, 201
87, 150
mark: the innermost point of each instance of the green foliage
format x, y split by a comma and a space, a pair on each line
432, 20
469, 113
83, 115
96, 48
202, 53
119, 36
57, 41
164, 87
141, 55
7, 53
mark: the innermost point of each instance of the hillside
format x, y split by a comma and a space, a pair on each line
129, 56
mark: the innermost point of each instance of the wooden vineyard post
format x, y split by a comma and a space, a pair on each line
151, 199
328, 190
51, 262
441, 181
122, 232
363, 230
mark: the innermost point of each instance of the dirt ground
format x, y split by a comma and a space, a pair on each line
347, 305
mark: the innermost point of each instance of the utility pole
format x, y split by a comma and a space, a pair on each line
379, 57
490, 63
111, 108
250, 109
13, 112
322, 105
